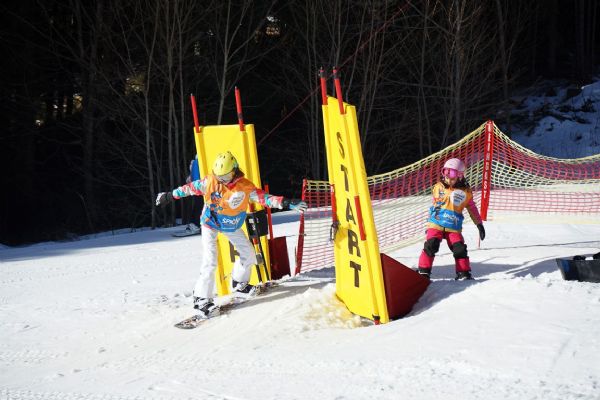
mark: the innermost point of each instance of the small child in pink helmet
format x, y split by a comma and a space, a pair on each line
450, 197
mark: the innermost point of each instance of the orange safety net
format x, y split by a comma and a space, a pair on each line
523, 185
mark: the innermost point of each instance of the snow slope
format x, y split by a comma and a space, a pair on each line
561, 122
93, 319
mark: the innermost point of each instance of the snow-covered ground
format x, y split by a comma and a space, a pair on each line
93, 319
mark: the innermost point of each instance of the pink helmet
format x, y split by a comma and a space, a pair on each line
454, 168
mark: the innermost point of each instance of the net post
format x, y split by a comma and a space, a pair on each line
486, 181
300, 247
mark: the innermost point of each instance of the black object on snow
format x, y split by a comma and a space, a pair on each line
579, 269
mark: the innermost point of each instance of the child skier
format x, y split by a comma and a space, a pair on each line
226, 196
450, 196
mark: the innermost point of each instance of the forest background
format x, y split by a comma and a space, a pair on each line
96, 116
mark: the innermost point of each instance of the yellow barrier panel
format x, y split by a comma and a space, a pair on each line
359, 277
210, 141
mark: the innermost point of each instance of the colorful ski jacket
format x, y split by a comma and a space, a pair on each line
446, 214
225, 205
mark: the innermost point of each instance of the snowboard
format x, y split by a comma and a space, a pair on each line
186, 233
195, 321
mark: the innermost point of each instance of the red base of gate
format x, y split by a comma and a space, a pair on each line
280, 262
403, 287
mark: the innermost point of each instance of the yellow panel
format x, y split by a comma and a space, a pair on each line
359, 277
210, 141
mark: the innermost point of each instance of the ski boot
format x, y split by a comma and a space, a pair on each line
206, 308
463, 276
243, 290
424, 272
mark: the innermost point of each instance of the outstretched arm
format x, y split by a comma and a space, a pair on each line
195, 188
265, 199
268, 200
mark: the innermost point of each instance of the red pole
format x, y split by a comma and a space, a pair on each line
323, 79
338, 90
195, 113
238, 105
300, 247
333, 205
486, 182
269, 218
361, 224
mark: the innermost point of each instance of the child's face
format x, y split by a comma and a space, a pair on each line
450, 181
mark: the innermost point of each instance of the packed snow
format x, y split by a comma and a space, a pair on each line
93, 319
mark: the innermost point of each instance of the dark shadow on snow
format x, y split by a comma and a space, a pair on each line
444, 286
51, 249
108, 239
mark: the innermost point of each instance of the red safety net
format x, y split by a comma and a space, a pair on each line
523, 185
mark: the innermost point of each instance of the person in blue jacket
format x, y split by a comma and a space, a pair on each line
196, 210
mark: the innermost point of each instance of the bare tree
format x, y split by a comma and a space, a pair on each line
232, 30
87, 46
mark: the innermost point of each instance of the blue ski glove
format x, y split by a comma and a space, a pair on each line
164, 198
294, 204
481, 230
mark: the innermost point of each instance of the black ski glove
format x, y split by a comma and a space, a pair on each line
481, 230
294, 204
164, 198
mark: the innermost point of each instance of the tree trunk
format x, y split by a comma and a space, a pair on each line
504, 62
552, 37
147, 130
423, 114
90, 106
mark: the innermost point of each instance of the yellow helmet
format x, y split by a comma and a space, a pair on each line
224, 164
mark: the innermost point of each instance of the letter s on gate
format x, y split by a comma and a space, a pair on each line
341, 144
